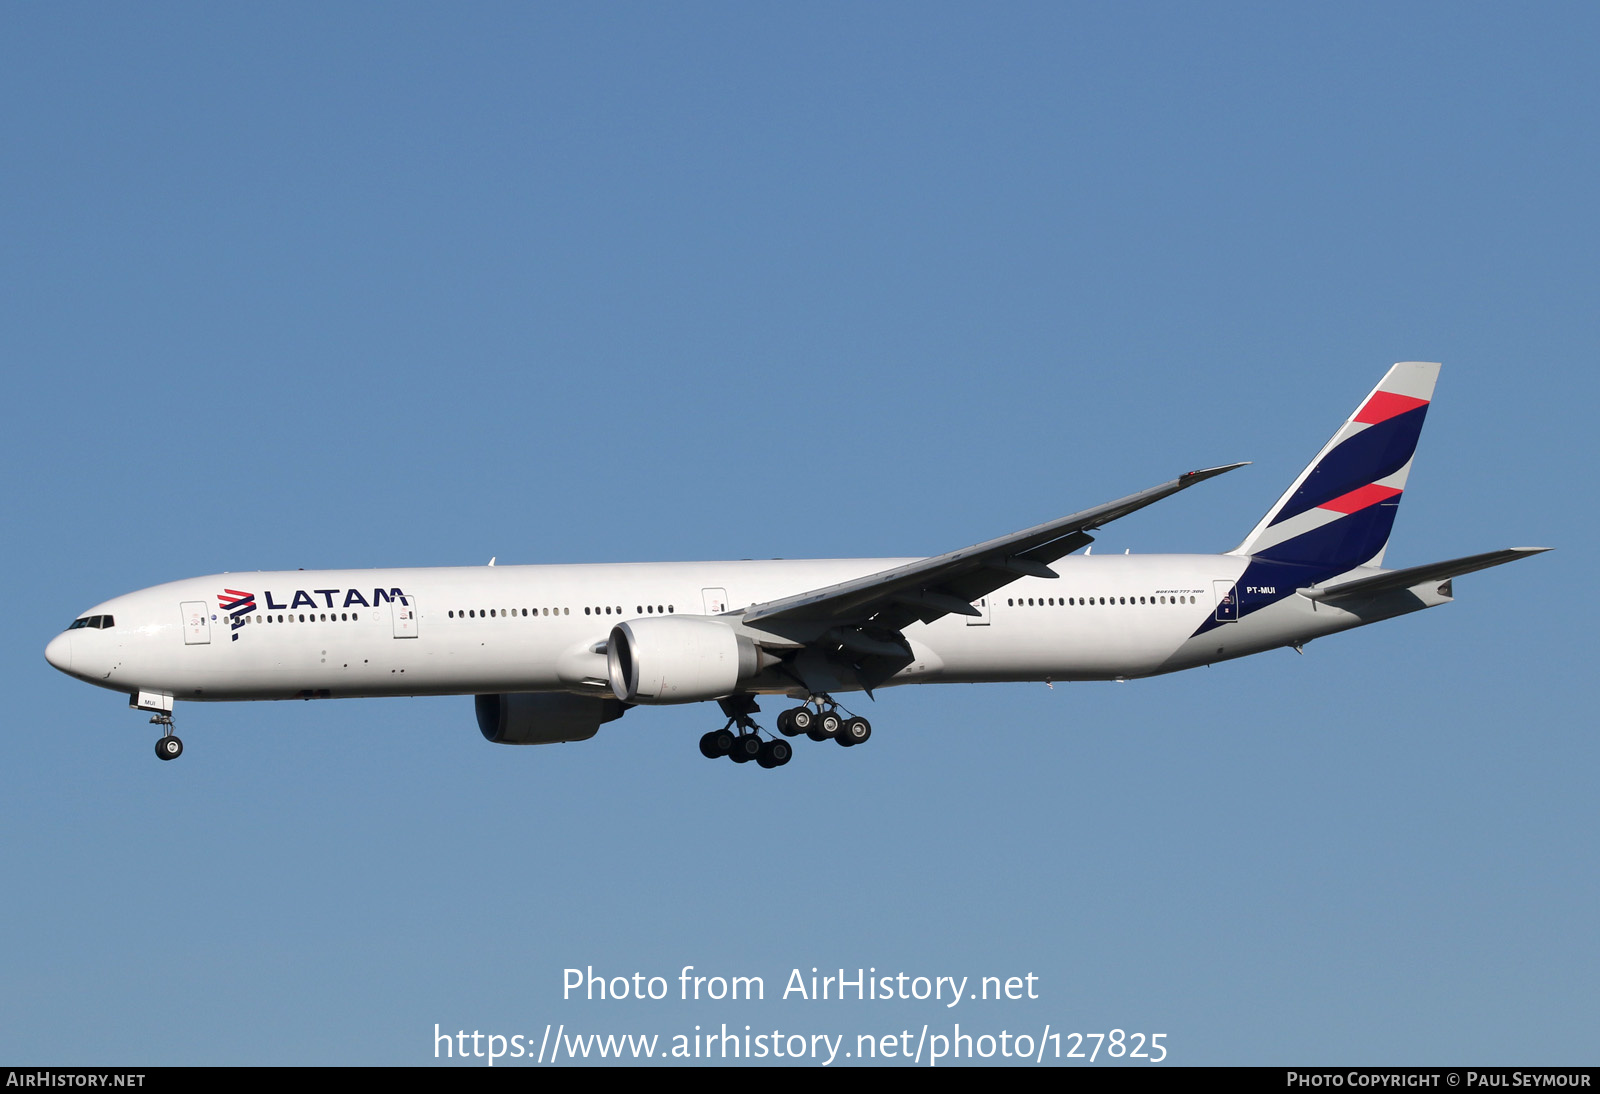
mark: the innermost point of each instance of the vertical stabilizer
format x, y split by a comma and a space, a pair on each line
1338, 513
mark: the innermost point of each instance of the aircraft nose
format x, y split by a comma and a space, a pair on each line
59, 652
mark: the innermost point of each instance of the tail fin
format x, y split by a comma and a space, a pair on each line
1338, 513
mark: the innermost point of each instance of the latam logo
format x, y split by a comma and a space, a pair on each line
334, 598
238, 605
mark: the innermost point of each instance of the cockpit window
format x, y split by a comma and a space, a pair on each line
98, 622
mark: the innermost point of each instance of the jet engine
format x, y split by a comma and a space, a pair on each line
543, 718
680, 660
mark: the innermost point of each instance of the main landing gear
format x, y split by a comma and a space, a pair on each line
741, 742
745, 745
825, 723
741, 748
169, 747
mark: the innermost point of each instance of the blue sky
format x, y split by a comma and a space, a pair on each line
372, 285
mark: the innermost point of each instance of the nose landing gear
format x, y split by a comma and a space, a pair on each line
169, 747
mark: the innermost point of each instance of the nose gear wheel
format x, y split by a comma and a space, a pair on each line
169, 747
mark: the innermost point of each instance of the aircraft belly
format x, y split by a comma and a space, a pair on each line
280, 667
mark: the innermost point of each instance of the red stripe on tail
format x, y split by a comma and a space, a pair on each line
1360, 498
1385, 405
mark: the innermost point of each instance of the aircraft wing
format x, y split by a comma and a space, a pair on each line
944, 584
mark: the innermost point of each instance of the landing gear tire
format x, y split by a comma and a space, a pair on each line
775, 753
746, 747
169, 748
825, 727
716, 744
792, 723
856, 731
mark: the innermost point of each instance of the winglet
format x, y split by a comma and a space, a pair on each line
1189, 478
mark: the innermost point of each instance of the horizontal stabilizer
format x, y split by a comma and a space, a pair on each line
1417, 575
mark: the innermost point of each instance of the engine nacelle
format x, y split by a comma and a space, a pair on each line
543, 718
681, 660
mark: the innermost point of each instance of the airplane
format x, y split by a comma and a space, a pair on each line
552, 652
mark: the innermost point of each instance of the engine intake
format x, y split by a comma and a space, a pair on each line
680, 660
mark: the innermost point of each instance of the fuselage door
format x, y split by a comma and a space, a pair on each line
982, 604
1227, 601
196, 623
716, 600
405, 616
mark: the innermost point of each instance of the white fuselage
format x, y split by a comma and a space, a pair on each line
502, 629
